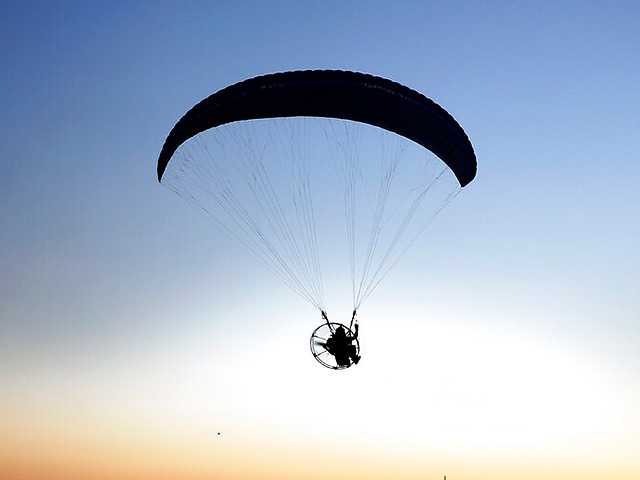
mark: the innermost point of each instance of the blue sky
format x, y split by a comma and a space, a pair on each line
101, 268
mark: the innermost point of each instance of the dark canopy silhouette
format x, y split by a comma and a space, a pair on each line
334, 94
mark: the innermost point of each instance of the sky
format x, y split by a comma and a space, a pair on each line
136, 341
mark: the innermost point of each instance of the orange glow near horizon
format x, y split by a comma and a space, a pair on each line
117, 459
461, 419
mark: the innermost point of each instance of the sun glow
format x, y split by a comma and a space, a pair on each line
441, 387
426, 396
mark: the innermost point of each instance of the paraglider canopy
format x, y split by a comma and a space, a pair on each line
334, 94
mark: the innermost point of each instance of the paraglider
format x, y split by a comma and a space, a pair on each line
268, 157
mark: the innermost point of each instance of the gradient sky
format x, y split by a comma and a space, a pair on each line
504, 346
